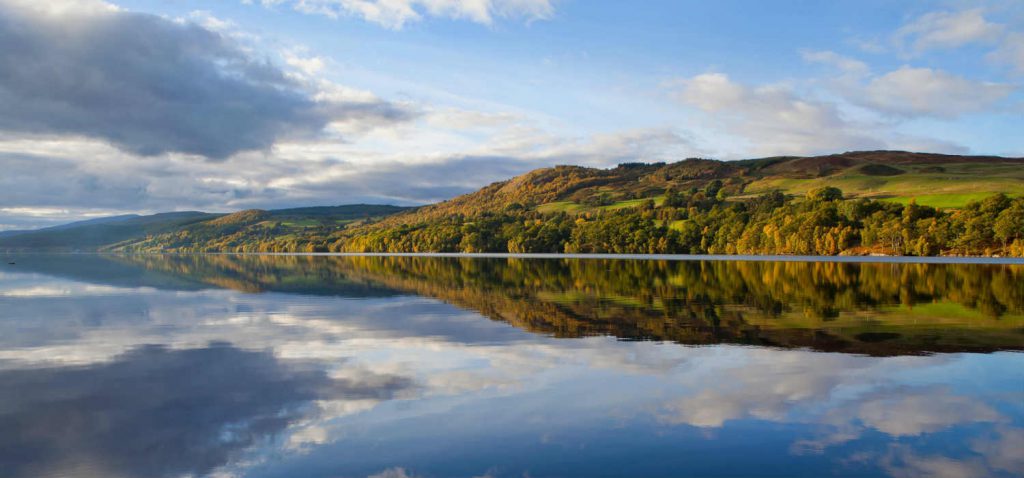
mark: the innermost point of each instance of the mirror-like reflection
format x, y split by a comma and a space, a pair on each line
873, 308
163, 366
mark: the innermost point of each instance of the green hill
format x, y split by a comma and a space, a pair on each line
873, 202
870, 202
937, 180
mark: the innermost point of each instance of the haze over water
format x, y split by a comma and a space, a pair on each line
274, 366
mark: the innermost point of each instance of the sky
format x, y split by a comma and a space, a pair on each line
143, 106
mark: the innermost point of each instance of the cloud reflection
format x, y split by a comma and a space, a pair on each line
305, 389
155, 411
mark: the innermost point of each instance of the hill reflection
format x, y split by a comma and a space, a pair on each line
866, 308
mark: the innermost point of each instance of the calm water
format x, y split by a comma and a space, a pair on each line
291, 366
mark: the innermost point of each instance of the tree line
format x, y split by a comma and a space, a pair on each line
705, 222
695, 221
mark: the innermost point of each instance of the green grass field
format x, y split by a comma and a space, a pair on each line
570, 206
941, 201
632, 203
677, 225
313, 222
561, 206
952, 188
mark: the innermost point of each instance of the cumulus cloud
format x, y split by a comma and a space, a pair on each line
151, 85
773, 118
937, 30
928, 92
396, 13
429, 161
909, 91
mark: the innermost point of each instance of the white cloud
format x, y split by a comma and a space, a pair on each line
949, 30
187, 89
773, 118
61, 7
845, 64
927, 92
445, 153
310, 66
910, 91
396, 14
938, 30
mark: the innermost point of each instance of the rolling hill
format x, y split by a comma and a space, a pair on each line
867, 202
943, 181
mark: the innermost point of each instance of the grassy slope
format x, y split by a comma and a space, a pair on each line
944, 181
954, 186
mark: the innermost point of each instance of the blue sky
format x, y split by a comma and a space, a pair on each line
171, 105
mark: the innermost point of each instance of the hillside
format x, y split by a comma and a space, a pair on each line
943, 181
252, 227
105, 233
94, 233
873, 202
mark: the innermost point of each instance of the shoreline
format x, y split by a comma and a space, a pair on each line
592, 256
656, 257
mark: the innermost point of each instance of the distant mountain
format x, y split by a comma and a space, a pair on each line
93, 233
99, 220
97, 233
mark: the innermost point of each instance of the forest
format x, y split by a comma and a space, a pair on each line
695, 221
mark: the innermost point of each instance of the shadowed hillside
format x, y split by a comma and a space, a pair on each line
223, 230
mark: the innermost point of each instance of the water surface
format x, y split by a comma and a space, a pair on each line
312, 366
